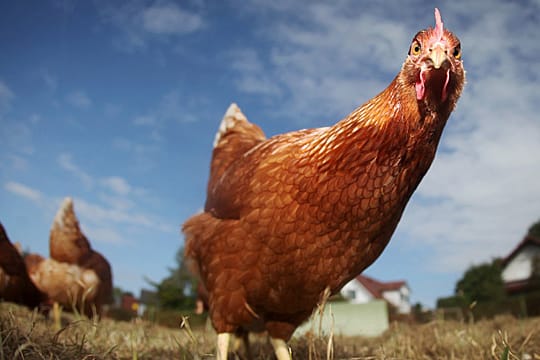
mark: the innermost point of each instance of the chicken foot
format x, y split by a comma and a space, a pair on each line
281, 349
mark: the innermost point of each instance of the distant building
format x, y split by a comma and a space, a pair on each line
129, 302
521, 268
363, 289
148, 302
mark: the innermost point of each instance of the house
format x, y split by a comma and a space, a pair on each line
521, 268
129, 303
148, 302
363, 289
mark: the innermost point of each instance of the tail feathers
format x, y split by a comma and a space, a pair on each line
235, 137
236, 125
230, 119
64, 214
67, 243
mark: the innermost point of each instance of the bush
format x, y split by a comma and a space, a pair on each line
456, 308
120, 314
173, 318
452, 302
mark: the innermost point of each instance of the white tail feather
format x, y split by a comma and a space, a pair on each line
67, 203
232, 115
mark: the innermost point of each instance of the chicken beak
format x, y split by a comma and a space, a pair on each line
438, 56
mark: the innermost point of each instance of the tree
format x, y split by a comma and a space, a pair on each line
482, 283
534, 230
177, 290
117, 295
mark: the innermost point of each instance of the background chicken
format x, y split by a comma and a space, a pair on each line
69, 285
15, 284
289, 217
67, 244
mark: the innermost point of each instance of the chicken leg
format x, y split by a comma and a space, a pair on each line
222, 345
281, 349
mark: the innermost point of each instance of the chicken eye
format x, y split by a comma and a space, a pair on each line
415, 49
457, 52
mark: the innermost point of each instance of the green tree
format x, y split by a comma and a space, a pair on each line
176, 291
534, 230
482, 283
117, 295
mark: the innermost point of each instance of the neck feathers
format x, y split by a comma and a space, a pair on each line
387, 126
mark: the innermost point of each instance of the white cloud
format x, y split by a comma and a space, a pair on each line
120, 199
18, 163
145, 120
17, 136
172, 106
117, 185
140, 24
143, 154
66, 162
6, 96
101, 215
50, 80
318, 58
246, 60
117, 201
79, 99
481, 194
23, 191
170, 19
252, 77
138, 149
104, 235
112, 110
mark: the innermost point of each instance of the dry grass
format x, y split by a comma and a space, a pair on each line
27, 335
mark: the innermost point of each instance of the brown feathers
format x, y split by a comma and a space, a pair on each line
67, 242
290, 216
70, 246
76, 276
69, 285
15, 284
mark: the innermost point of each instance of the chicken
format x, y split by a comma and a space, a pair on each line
67, 244
71, 286
15, 284
289, 218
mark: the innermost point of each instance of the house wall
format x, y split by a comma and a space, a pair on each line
400, 299
356, 293
128, 303
343, 318
520, 267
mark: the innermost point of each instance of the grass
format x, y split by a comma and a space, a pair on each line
28, 335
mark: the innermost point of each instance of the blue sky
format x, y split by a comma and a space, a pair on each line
116, 104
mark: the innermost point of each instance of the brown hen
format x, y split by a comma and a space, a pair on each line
69, 285
67, 244
15, 284
288, 217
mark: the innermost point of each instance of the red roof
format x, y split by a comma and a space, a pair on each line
519, 286
376, 288
527, 240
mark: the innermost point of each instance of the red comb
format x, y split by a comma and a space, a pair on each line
438, 25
